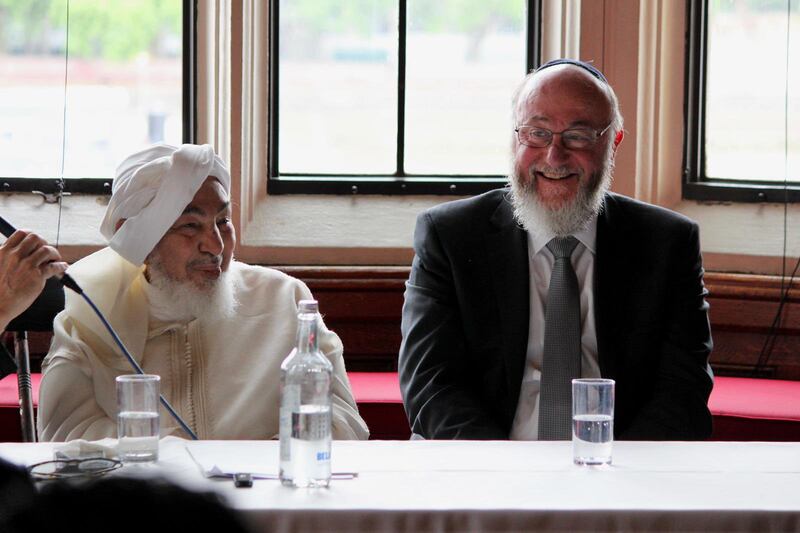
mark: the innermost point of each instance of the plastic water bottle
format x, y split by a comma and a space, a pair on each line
305, 415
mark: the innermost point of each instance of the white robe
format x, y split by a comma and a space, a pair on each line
224, 382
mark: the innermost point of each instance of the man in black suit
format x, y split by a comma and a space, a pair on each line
476, 302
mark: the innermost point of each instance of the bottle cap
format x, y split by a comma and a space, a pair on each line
308, 306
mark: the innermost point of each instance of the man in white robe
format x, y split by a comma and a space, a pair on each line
214, 329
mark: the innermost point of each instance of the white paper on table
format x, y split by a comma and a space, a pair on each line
224, 459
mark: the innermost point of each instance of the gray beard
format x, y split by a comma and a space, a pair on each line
567, 219
174, 300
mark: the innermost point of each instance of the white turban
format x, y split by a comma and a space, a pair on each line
151, 190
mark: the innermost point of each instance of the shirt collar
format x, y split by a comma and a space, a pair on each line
587, 236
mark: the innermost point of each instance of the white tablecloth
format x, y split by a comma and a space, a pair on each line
490, 486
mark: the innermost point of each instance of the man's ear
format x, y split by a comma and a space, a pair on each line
146, 263
618, 139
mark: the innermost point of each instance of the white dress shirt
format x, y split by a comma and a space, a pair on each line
526, 419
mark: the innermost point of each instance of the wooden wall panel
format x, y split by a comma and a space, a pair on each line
363, 306
743, 309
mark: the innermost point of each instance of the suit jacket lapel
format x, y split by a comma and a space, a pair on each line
507, 249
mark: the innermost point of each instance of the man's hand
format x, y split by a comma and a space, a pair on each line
26, 261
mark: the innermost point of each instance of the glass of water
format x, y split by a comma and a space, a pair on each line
592, 421
137, 421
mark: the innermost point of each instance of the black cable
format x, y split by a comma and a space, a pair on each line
60, 182
772, 334
136, 366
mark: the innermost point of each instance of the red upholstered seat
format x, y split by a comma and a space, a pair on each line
376, 387
9, 406
377, 394
380, 404
743, 408
755, 409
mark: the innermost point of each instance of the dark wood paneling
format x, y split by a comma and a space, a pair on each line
363, 305
743, 308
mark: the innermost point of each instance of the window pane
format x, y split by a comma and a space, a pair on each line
337, 86
746, 96
464, 59
124, 84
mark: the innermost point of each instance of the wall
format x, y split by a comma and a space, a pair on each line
363, 306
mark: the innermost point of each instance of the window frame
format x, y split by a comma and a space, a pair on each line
696, 185
398, 183
51, 187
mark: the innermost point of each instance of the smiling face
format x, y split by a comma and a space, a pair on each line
561, 98
564, 185
199, 245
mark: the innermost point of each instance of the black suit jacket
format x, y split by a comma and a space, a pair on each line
465, 320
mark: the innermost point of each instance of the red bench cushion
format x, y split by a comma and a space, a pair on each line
380, 404
377, 395
743, 408
755, 409
9, 406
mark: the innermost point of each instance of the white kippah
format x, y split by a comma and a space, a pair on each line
151, 189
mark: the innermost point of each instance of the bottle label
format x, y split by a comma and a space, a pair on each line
311, 423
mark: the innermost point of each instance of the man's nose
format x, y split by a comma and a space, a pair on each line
211, 241
556, 154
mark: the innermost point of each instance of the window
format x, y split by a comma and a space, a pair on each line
100, 79
395, 96
743, 101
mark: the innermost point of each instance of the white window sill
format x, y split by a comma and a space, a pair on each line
378, 230
742, 237
285, 230
333, 230
81, 215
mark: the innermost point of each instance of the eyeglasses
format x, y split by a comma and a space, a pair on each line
574, 138
69, 468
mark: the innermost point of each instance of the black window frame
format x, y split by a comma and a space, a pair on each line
696, 185
398, 183
102, 186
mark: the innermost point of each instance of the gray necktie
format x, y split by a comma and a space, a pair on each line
562, 344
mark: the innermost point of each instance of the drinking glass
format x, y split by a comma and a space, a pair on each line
592, 421
137, 421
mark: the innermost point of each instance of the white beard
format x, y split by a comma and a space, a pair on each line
566, 219
173, 300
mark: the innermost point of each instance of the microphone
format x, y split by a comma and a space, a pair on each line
7, 229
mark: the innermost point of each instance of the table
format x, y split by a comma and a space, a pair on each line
498, 485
